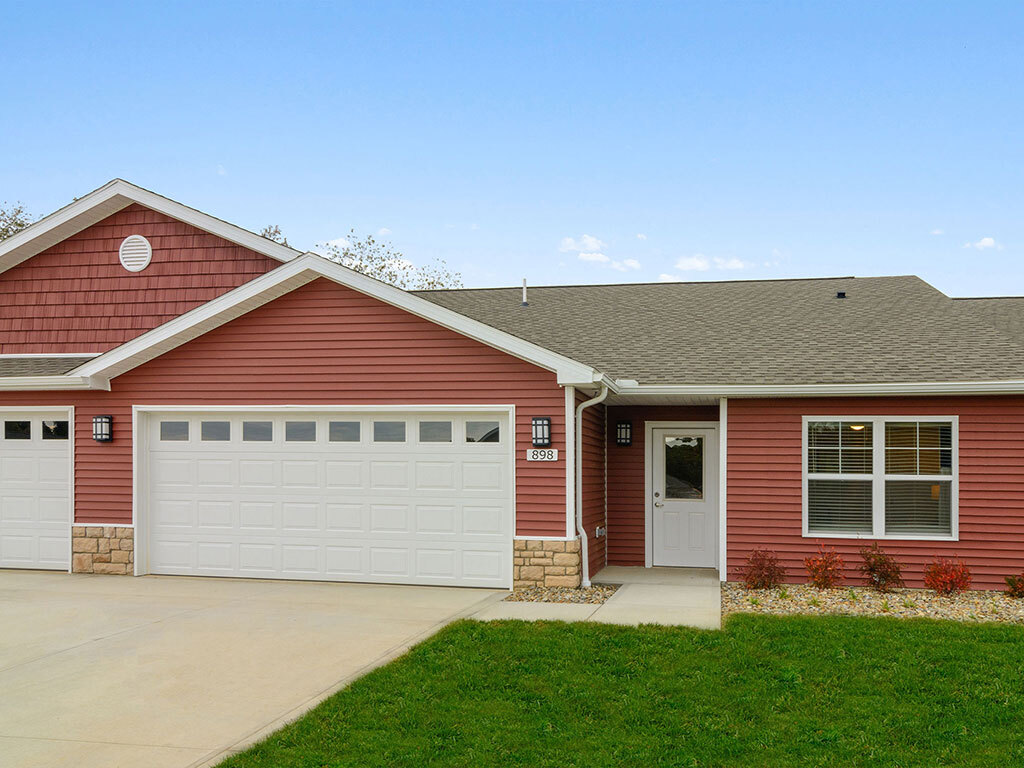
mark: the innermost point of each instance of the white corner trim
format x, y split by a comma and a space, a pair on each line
303, 270
723, 487
570, 461
112, 197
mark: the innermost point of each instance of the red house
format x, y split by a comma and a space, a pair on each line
181, 396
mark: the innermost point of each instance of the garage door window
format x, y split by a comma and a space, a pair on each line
344, 432
215, 431
55, 430
257, 431
483, 432
435, 431
389, 431
174, 430
300, 431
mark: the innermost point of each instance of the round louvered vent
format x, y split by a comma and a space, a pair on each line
136, 253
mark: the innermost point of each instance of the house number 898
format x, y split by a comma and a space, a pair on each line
542, 454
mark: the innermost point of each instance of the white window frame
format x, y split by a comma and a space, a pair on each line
878, 478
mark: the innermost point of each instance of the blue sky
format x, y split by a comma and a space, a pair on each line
561, 142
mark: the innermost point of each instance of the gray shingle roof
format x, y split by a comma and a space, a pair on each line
39, 366
1004, 312
887, 329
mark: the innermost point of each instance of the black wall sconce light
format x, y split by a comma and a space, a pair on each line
541, 431
102, 428
623, 433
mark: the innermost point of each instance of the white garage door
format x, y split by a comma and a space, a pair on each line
35, 496
417, 498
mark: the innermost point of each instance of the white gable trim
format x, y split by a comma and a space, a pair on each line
297, 273
111, 198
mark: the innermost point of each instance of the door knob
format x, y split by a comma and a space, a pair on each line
659, 504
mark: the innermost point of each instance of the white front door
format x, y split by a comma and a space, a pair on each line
684, 487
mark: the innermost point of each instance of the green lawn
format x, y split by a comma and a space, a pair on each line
766, 691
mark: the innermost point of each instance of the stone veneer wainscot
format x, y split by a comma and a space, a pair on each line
103, 549
545, 563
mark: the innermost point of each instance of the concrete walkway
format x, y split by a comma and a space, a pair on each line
169, 672
675, 596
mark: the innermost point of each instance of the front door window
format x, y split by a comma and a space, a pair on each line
684, 467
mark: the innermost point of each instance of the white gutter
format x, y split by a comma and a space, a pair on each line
622, 387
584, 561
18, 383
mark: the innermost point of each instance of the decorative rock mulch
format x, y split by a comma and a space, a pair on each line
860, 601
593, 595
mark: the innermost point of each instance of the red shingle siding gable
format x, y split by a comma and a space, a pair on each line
765, 501
76, 296
321, 344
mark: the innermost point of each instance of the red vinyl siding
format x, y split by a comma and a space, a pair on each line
765, 465
321, 344
76, 296
626, 474
593, 426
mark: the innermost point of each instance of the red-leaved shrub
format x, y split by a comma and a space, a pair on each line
1015, 586
881, 569
825, 568
762, 570
947, 577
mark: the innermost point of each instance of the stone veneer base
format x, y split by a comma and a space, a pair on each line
545, 563
103, 549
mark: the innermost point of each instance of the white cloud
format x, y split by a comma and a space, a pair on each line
625, 265
936, 232
984, 244
221, 170
698, 262
383, 232
586, 244
731, 263
641, 236
600, 257
340, 243
666, 278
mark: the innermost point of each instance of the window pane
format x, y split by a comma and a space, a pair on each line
257, 431
839, 506
389, 431
937, 434
855, 461
435, 431
18, 430
174, 430
823, 434
55, 430
856, 434
901, 461
822, 460
918, 507
901, 434
215, 431
684, 467
344, 432
300, 431
935, 461
482, 432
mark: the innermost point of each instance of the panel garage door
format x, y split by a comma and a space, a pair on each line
35, 490
417, 498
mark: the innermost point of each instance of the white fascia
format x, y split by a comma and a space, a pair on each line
37, 383
108, 200
824, 390
308, 267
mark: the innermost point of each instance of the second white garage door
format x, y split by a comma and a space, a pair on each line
403, 497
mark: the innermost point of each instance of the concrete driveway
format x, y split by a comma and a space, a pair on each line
174, 671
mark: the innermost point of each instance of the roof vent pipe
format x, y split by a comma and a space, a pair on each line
525, 302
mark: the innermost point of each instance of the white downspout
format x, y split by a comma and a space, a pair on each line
584, 561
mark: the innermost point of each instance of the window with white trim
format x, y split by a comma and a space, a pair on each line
880, 477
